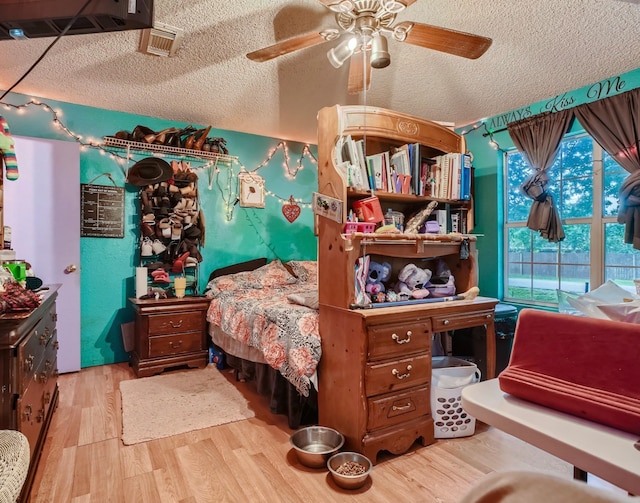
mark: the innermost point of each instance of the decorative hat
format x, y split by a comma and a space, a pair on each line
149, 171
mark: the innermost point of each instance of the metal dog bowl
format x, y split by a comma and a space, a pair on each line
349, 481
314, 445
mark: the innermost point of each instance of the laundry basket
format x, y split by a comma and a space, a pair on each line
449, 376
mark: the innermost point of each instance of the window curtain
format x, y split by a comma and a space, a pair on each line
538, 138
614, 123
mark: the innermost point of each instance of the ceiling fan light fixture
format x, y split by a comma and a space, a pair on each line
380, 57
344, 6
342, 52
392, 6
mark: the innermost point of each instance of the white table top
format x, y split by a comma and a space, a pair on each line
607, 453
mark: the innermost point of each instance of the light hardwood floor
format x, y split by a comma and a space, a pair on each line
84, 459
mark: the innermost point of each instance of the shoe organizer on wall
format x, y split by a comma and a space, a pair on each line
171, 226
171, 230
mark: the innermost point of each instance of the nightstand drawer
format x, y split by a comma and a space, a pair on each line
388, 410
167, 345
461, 320
397, 339
395, 375
171, 323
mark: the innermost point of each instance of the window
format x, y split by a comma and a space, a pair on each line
584, 182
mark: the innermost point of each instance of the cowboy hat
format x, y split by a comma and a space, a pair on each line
148, 171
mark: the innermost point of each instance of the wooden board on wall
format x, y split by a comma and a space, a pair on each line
102, 211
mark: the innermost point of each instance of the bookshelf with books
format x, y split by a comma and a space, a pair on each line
376, 362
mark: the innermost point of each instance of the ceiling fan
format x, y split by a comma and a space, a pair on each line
366, 24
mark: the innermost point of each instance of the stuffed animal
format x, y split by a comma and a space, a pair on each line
412, 281
378, 272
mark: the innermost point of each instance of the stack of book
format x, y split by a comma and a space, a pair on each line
404, 170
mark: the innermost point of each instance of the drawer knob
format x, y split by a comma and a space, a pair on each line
445, 322
402, 341
489, 316
398, 375
28, 410
175, 345
28, 363
402, 407
175, 325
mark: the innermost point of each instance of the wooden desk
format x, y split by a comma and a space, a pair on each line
610, 454
375, 370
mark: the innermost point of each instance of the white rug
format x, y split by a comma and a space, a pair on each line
177, 402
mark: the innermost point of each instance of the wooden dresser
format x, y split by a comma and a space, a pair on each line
169, 333
29, 370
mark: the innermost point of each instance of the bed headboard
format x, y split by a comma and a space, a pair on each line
249, 265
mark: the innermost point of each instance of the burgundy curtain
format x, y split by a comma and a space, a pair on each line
614, 123
538, 138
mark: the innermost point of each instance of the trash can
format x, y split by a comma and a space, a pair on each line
470, 344
449, 376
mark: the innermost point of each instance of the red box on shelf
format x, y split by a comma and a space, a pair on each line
368, 209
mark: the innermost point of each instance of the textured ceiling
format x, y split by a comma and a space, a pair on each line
540, 49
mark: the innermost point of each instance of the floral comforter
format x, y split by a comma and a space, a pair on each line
264, 309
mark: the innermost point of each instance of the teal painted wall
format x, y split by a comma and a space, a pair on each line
489, 170
108, 265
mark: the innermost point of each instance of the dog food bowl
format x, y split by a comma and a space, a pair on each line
314, 445
349, 470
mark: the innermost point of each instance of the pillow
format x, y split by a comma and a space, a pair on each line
304, 270
272, 274
309, 299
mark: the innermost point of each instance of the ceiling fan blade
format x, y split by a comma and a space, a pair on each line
445, 40
287, 46
359, 72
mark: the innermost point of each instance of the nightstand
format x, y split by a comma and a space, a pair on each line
169, 333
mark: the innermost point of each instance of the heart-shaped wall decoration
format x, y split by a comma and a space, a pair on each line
291, 210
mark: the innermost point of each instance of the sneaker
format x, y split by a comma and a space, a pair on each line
146, 249
157, 247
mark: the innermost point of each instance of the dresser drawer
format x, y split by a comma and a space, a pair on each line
461, 320
32, 349
174, 344
160, 324
387, 410
30, 411
398, 339
388, 376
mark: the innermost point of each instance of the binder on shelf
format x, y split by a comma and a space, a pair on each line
465, 178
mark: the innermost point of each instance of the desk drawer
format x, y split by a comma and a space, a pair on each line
399, 339
461, 320
387, 410
388, 376
175, 344
171, 323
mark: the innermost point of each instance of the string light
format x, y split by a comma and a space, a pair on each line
229, 193
291, 175
492, 142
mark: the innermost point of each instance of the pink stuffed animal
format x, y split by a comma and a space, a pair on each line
412, 281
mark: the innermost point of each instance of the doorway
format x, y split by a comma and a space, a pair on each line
42, 207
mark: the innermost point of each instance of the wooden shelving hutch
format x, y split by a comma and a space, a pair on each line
375, 372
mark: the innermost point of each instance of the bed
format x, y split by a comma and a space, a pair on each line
264, 317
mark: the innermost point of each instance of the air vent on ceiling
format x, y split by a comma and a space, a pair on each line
161, 40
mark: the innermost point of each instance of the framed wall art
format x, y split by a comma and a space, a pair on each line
251, 190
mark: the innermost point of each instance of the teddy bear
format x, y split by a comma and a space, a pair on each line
412, 281
378, 272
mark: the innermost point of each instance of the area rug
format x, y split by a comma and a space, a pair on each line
177, 402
